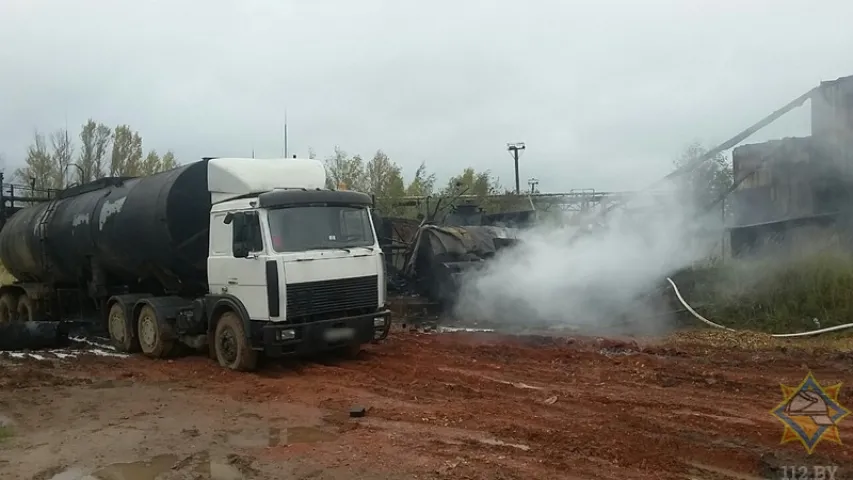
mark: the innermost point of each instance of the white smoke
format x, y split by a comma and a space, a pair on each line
595, 280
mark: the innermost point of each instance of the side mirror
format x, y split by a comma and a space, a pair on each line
228, 218
241, 250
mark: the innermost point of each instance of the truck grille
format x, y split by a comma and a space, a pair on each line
319, 299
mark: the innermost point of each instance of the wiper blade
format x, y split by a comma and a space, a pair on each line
327, 247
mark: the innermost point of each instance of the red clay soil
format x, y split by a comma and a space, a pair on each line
491, 406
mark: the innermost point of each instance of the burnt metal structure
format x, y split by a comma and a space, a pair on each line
14, 197
32, 335
441, 256
789, 192
148, 233
428, 259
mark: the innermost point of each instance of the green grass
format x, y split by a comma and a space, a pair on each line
5, 433
774, 294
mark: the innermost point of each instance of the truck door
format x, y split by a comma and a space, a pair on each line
244, 271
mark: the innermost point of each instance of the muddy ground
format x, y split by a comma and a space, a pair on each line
460, 405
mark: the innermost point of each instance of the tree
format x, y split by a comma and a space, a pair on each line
421, 184
470, 182
52, 165
63, 151
39, 170
154, 163
151, 164
383, 177
709, 181
126, 159
95, 141
344, 172
384, 180
168, 162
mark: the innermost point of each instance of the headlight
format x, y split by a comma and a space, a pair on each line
288, 334
379, 322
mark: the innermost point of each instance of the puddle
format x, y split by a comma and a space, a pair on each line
247, 439
198, 467
223, 471
449, 329
73, 474
144, 470
501, 443
101, 343
6, 421
273, 437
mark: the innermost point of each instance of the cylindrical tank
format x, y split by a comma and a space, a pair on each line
134, 229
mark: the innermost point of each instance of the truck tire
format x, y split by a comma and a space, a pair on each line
120, 335
8, 308
232, 346
26, 309
150, 335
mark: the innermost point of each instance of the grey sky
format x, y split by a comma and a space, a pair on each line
605, 93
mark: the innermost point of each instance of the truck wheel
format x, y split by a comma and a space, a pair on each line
26, 310
232, 346
119, 334
8, 308
150, 336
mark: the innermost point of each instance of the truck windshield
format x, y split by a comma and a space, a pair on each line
295, 229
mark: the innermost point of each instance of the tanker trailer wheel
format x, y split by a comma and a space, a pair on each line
25, 308
8, 308
231, 344
120, 335
151, 336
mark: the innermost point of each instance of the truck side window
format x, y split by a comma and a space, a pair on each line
253, 227
246, 232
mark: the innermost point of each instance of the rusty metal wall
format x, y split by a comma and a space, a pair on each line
832, 121
778, 181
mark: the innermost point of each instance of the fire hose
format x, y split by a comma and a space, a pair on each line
723, 327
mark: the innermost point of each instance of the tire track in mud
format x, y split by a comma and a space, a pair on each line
592, 408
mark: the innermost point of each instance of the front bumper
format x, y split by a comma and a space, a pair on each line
284, 339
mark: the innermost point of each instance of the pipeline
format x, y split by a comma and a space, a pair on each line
776, 335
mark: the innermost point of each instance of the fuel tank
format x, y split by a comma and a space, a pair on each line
136, 230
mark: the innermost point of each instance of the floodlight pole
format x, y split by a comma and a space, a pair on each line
513, 148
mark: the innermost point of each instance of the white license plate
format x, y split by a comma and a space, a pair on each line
338, 334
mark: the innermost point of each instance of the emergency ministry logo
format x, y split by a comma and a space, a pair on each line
810, 413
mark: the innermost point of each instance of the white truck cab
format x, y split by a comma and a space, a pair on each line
301, 263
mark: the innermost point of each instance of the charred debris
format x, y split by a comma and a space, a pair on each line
426, 257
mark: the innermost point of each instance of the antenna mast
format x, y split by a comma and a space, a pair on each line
285, 133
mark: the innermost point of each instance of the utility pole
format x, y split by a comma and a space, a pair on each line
513, 149
532, 182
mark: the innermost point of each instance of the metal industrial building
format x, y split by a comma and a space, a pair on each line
790, 188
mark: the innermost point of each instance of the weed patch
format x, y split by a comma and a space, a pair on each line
775, 295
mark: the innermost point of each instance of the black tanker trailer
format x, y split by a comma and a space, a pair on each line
132, 255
